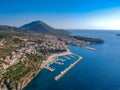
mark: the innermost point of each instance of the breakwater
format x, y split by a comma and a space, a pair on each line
62, 73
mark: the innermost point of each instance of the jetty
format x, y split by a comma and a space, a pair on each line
47, 67
67, 69
90, 48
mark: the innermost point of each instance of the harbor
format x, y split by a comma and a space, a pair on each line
54, 59
67, 69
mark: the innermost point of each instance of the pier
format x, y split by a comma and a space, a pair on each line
67, 69
71, 55
60, 63
62, 60
90, 48
67, 57
49, 68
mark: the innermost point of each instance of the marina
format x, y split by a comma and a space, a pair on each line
56, 60
60, 61
67, 69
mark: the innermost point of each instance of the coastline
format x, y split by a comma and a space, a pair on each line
52, 56
47, 61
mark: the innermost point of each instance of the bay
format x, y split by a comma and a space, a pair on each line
99, 70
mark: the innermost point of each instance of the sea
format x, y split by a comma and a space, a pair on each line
98, 70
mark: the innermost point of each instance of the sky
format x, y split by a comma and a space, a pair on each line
64, 14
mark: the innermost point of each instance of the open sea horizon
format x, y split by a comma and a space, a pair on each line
98, 70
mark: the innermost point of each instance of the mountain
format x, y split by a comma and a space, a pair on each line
41, 27
5, 28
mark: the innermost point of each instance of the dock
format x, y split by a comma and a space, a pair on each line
62, 60
71, 55
67, 57
60, 63
67, 69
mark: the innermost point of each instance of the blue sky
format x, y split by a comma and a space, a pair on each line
68, 14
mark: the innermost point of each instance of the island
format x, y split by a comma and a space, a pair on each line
117, 34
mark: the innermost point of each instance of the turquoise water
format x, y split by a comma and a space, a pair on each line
99, 70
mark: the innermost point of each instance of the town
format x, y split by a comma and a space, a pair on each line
22, 55
32, 45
